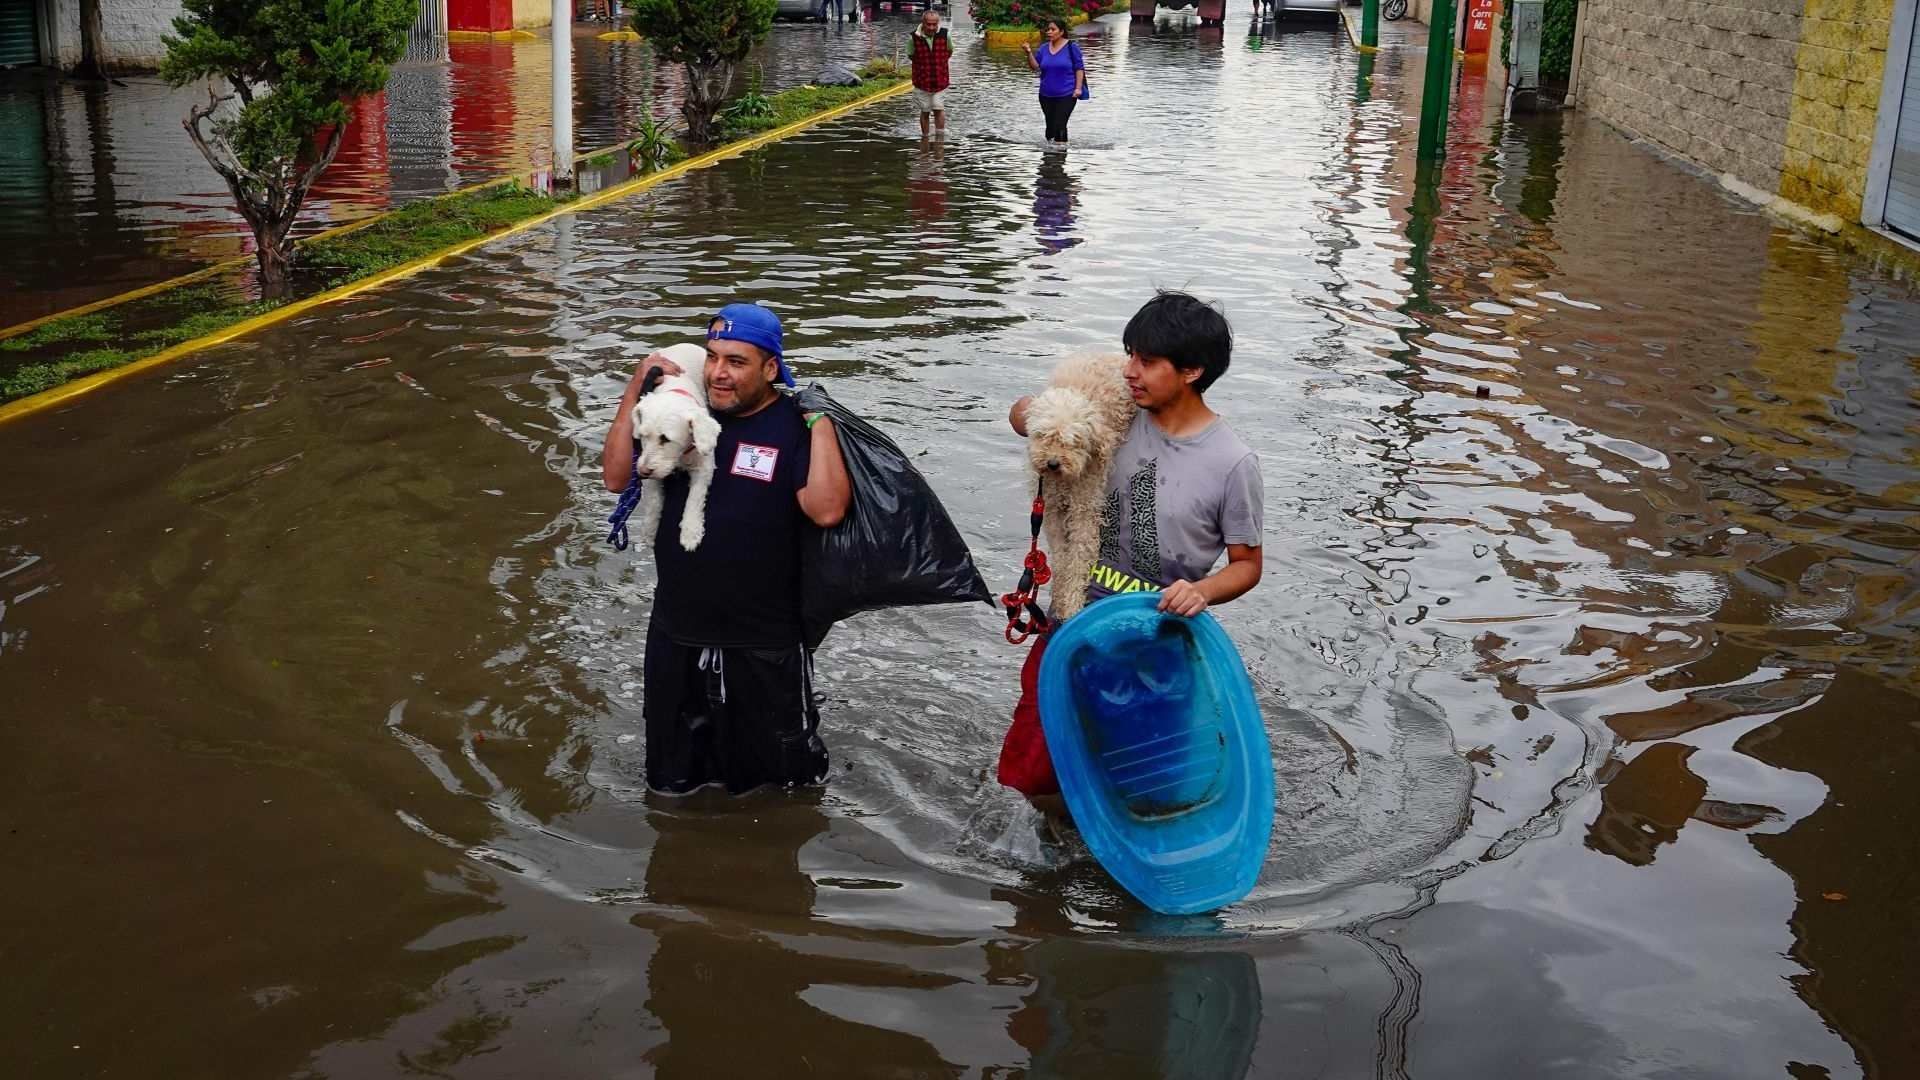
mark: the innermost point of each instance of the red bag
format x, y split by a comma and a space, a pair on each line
1025, 765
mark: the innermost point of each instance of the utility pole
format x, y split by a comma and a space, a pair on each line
1370, 24
563, 93
1439, 83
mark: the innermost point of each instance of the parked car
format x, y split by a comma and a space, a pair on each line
1318, 7
800, 9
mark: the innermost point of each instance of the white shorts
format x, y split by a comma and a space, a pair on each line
930, 101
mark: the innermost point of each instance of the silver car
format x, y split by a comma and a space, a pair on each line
800, 9
1319, 7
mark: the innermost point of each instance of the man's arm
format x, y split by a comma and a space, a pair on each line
616, 457
1241, 573
828, 492
1017, 416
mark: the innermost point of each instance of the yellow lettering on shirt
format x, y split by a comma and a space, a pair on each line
1119, 581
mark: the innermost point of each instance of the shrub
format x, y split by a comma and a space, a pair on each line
1017, 13
711, 38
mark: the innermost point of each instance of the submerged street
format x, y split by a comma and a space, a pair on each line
1593, 700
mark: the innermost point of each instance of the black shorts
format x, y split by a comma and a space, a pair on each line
739, 717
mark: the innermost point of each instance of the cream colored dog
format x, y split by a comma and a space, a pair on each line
673, 430
1073, 428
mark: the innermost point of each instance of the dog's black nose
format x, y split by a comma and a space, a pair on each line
1054, 464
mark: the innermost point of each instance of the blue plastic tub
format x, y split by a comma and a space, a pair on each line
1160, 750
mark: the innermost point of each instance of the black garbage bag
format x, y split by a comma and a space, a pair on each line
896, 547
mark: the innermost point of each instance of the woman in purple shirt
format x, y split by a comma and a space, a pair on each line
1062, 76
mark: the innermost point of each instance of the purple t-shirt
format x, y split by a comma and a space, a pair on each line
1057, 68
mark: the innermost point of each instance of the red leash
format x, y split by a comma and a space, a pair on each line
1025, 617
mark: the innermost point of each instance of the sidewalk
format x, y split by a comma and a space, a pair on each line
1406, 33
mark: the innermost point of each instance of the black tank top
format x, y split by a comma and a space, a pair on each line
741, 586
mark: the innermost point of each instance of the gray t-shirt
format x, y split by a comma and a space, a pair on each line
1173, 506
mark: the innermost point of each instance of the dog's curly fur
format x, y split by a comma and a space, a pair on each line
1074, 427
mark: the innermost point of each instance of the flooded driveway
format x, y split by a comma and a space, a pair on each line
1593, 699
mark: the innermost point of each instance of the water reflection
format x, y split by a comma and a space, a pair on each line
927, 181
1644, 803
1056, 195
732, 997
1165, 1012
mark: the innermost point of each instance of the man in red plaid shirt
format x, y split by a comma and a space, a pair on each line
931, 50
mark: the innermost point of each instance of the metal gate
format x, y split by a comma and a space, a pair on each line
1903, 171
19, 33
427, 40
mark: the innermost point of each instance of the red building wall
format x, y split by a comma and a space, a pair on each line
479, 14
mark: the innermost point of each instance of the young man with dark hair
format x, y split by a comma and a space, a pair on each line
1183, 490
729, 683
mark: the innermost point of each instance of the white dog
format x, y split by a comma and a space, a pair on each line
1073, 428
672, 429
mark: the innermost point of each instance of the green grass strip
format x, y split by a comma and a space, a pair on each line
791, 106
77, 330
421, 229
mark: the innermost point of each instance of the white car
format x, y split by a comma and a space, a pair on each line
800, 9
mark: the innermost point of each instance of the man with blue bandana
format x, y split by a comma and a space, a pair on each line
729, 684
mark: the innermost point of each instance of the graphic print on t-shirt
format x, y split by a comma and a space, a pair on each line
1143, 508
755, 462
1144, 519
1110, 529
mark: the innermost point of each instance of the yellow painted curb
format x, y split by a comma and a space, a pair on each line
46, 399
1004, 38
620, 35
1352, 34
492, 35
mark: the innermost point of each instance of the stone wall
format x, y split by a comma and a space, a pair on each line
133, 30
1836, 98
528, 14
1777, 97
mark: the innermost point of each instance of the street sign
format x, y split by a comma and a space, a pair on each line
1483, 18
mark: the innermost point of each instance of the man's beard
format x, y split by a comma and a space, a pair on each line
741, 403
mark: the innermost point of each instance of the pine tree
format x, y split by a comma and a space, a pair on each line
710, 37
292, 65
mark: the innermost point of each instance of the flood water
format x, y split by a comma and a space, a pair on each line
101, 191
1593, 700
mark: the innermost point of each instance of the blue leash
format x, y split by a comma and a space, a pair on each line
629, 499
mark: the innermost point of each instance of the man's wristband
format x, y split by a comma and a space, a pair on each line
814, 419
